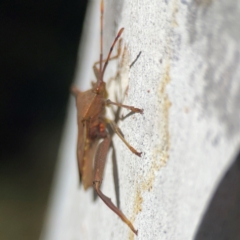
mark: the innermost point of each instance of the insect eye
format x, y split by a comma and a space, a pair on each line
101, 127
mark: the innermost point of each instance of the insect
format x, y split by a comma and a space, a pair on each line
93, 137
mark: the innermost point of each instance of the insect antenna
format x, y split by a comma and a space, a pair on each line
101, 38
102, 70
110, 51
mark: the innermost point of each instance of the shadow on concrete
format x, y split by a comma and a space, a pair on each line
222, 218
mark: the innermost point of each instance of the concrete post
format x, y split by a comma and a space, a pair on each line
187, 81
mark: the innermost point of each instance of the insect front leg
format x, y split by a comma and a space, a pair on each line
100, 160
131, 108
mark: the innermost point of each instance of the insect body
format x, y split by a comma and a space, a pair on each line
92, 128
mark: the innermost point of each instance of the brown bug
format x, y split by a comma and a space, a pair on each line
92, 127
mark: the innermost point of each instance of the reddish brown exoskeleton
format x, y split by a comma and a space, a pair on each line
92, 127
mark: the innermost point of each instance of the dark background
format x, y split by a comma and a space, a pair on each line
39, 42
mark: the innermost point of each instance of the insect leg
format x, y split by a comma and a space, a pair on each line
117, 130
100, 160
133, 109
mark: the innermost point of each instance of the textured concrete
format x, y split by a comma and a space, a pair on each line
187, 82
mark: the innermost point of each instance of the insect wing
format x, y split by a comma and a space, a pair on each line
86, 172
82, 101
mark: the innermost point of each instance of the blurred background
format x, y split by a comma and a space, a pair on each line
39, 47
